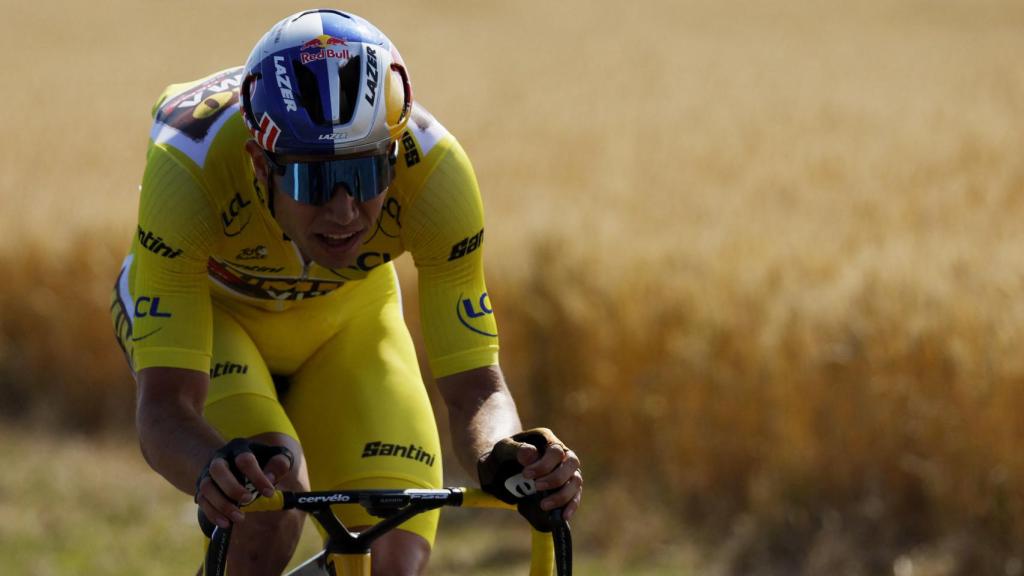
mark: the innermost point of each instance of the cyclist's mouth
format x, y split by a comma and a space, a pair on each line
340, 242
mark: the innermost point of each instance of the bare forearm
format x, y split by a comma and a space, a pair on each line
474, 432
175, 440
481, 411
177, 445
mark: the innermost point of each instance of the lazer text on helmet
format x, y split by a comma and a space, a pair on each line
371, 75
284, 84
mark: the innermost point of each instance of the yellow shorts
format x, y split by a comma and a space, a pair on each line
352, 393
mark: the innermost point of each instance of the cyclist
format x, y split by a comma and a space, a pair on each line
259, 300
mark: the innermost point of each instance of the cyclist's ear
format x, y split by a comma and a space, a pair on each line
259, 160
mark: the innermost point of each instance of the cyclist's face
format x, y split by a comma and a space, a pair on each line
331, 234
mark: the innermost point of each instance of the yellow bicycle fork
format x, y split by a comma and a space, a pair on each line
350, 564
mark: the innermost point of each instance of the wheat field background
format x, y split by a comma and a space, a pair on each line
762, 264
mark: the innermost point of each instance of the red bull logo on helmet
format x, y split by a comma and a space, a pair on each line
324, 46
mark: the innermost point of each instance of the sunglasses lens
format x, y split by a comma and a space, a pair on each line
315, 183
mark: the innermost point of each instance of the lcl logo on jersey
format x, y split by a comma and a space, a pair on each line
473, 312
149, 306
369, 260
229, 217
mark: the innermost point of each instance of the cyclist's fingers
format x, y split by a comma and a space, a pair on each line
226, 482
277, 468
211, 513
527, 454
573, 504
250, 468
560, 475
553, 456
566, 494
216, 505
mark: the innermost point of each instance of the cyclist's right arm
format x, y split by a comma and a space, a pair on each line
172, 335
175, 439
178, 443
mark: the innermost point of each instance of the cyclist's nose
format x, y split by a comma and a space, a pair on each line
342, 206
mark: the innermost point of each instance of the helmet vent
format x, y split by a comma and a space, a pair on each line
348, 76
309, 94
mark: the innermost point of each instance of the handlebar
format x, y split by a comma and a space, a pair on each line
394, 507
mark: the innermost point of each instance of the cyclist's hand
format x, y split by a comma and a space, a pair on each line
238, 472
536, 471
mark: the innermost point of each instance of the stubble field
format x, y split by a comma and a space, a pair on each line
761, 264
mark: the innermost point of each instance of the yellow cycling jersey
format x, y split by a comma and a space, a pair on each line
205, 232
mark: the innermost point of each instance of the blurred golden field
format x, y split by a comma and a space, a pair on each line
761, 264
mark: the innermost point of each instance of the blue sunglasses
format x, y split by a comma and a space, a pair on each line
315, 182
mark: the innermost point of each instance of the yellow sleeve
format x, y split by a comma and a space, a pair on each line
445, 236
172, 317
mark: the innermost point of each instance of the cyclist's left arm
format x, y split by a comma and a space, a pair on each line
443, 228
481, 412
483, 415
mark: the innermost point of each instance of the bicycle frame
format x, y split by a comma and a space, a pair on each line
347, 553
